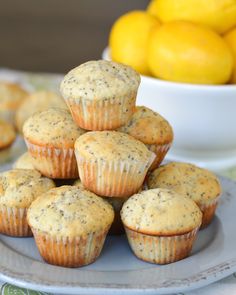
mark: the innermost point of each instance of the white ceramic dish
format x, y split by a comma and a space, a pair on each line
203, 118
118, 271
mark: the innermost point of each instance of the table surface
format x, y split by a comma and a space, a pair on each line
50, 81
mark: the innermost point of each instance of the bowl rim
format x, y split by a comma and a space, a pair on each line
165, 83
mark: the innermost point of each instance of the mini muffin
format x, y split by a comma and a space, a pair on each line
7, 137
36, 102
153, 130
18, 189
161, 225
70, 225
11, 96
111, 163
50, 136
117, 203
198, 184
25, 161
101, 94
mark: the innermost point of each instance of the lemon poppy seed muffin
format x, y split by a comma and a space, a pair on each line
18, 189
111, 163
11, 97
117, 203
161, 225
7, 138
36, 102
70, 225
25, 161
7, 134
101, 94
153, 130
50, 136
198, 184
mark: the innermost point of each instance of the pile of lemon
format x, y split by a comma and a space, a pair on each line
191, 41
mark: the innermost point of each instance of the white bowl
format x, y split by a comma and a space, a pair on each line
203, 118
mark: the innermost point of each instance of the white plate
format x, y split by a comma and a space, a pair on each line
119, 271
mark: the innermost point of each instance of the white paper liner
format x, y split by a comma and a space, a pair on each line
161, 249
114, 178
53, 162
70, 252
208, 210
106, 114
160, 151
13, 222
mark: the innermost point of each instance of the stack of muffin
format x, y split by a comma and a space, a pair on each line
110, 147
17, 105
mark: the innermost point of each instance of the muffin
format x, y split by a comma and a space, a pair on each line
7, 137
25, 161
111, 163
161, 225
18, 189
70, 225
101, 94
117, 203
11, 96
50, 136
198, 184
153, 130
36, 102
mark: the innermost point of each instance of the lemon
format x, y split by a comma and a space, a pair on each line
230, 38
220, 15
128, 39
185, 52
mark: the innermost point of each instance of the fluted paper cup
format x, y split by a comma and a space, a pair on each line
106, 114
161, 249
13, 222
70, 252
113, 178
160, 151
53, 162
208, 210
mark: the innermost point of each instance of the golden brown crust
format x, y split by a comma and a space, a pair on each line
100, 80
69, 211
160, 212
148, 127
20, 187
189, 180
53, 128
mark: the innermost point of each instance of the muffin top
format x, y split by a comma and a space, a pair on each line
148, 127
160, 212
7, 134
70, 211
113, 146
99, 80
36, 102
53, 127
186, 179
24, 162
20, 187
11, 96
